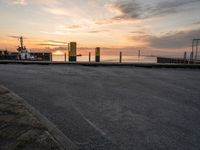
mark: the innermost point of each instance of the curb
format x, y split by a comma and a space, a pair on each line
64, 142
105, 64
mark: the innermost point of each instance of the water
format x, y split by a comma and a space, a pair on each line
111, 58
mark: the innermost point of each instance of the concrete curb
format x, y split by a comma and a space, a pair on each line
60, 138
105, 64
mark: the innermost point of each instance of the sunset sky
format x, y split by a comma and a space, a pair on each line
129, 25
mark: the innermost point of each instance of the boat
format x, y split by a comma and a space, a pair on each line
23, 52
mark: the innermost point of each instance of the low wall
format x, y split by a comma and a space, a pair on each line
173, 60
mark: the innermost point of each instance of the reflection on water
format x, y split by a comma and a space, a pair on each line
113, 58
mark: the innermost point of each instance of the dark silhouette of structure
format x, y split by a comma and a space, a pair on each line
89, 56
195, 47
185, 56
21, 48
120, 57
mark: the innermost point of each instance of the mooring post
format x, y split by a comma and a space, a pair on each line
191, 56
139, 54
185, 57
192, 53
89, 56
65, 57
197, 47
120, 57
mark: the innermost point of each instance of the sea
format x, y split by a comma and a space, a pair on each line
110, 58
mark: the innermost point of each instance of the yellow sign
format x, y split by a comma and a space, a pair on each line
98, 51
72, 49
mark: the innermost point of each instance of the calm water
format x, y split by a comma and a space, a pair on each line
112, 58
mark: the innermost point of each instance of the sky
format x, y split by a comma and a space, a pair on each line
128, 25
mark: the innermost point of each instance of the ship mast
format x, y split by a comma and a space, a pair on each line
21, 42
21, 48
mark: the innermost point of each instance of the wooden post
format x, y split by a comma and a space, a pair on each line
197, 47
65, 57
185, 57
191, 57
139, 54
89, 56
192, 53
120, 57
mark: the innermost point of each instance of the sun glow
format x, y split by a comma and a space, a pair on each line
58, 52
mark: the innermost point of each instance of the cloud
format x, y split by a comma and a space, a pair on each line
122, 10
53, 43
181, 39
58, 8
60, 48
57, 42
56, 11
53, 7
138, 32
16, 37
98, 31
126, 10
132, 10
54, 32
196, 23
73, 26
54, 48
19, 2
170, 7
46, 44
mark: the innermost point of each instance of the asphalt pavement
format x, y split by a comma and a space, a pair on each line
111, 108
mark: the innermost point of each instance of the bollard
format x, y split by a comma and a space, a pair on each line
97, 51
89, 57
72, 51
185, 57
65, 57
139, 54
191, 56
120, 57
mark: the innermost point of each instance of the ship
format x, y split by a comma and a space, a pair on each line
22, 50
